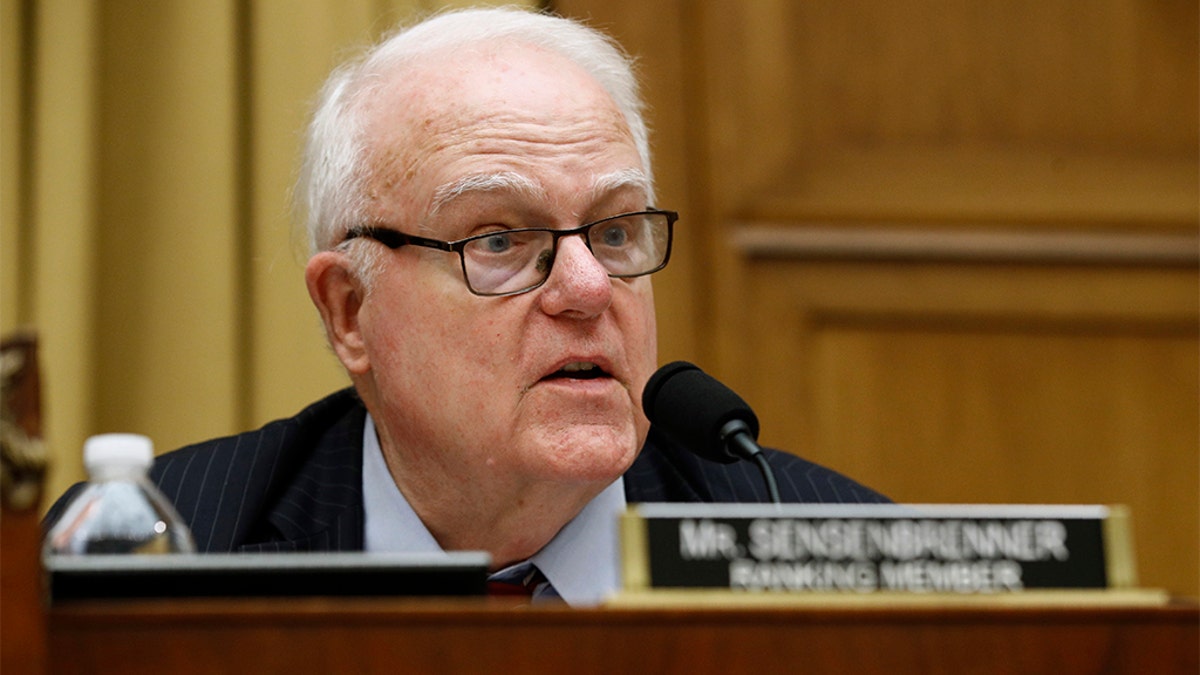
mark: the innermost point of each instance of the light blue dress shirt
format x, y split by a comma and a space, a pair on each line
581, 563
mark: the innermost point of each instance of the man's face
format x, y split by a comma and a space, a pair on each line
504, 388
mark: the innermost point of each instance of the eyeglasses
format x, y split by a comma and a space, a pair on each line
508, 262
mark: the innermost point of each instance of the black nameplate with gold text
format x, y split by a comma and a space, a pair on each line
964, 549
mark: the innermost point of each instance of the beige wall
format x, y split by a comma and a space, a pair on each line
148, 149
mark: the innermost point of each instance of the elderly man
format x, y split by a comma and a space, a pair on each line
480, 206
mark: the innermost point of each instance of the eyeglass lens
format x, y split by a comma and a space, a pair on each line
509, 262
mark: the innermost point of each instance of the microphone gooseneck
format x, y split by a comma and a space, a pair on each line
706, 417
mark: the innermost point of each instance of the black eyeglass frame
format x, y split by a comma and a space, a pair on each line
394, 239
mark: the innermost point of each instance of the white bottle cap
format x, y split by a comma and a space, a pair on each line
117, 451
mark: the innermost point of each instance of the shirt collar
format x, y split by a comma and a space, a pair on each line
581, 562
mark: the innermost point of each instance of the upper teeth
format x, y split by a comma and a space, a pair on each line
578, 366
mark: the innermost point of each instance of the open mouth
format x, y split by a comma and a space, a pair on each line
578, 370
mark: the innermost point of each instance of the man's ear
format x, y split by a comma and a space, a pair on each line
338, 294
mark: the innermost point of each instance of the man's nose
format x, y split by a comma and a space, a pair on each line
578, 284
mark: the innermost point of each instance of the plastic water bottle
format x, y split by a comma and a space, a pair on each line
119, 510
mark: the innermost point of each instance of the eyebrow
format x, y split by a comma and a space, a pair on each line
489, 182
511, 181
609, 183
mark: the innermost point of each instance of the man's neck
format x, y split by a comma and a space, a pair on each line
581, 561
511, 520
510, 529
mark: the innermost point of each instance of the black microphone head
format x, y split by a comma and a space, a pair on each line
693, 407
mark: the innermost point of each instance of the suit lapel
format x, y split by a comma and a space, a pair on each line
661, 473
320, 507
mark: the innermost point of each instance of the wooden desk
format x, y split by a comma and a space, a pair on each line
402, 636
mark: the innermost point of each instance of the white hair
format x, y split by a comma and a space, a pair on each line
329, 196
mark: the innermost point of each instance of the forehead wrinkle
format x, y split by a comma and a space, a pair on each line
486, 182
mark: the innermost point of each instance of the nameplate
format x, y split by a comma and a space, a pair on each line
964, 549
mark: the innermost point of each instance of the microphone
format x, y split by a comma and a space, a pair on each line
706, 417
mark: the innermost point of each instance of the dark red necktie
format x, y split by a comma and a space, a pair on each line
508, 589
517, 589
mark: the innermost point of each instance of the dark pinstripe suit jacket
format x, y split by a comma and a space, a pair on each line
296, 484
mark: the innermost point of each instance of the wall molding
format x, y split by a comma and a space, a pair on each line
881, 243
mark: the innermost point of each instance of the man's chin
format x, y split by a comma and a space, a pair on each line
587, 454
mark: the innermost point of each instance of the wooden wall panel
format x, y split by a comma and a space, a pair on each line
12, 169
969, 384
292, 49
950, 247
58, 240
166, 252
1042, 85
